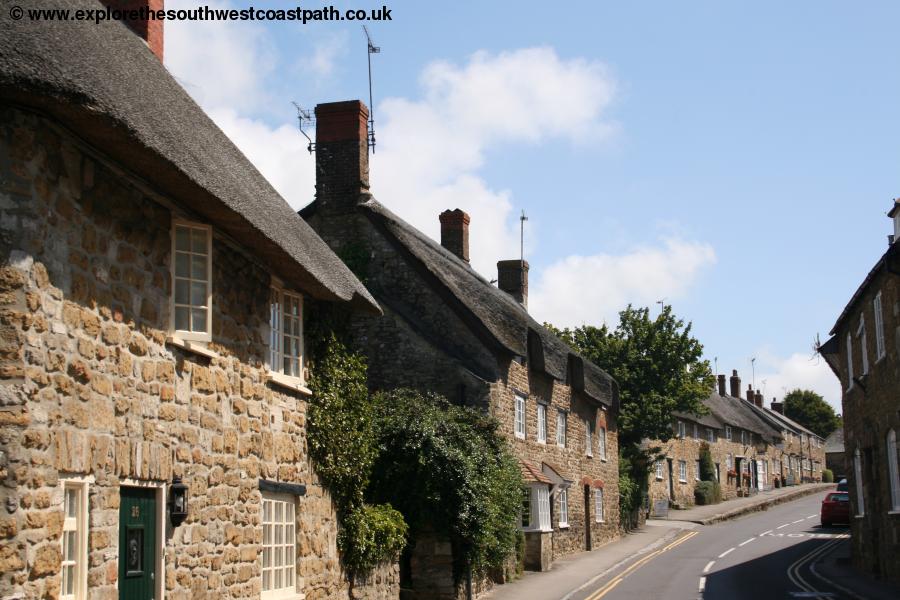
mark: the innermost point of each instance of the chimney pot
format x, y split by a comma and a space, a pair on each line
512, 278
455, 232
149, 30
342, 155
721, 379
735, 384
750, 393
778, 406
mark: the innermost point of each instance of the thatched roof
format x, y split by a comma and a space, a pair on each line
101, 82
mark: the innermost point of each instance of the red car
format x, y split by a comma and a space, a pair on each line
835, 508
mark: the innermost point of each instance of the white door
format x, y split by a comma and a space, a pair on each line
760, 474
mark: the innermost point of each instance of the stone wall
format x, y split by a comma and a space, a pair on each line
91, 389
870, 411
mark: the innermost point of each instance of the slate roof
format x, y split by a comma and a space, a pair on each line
103, 84
709, 420
890, 260
502, 317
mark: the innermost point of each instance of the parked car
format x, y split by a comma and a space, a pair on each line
842, 485
835, 508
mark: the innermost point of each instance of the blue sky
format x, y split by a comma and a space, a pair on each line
734, 158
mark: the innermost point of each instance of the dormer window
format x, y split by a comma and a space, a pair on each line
192, 278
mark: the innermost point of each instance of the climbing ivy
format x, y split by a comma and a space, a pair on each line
459, 478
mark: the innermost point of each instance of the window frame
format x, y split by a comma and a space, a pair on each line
182, 334
710, 435
728, 433
682, 471
863, 343
289, 564
857, 476
541, 423
519, 417
697, 470
682, 430
277, 295
79, 523
849, 361
880, 347
893, 470
538, 508
658, 470
563, 497
696, 431
588, 438
562, 417
598, 505
601, 443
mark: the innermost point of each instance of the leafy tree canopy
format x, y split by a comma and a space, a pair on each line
810, 410
658, 365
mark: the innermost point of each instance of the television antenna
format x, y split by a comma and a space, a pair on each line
304, 114
372, 49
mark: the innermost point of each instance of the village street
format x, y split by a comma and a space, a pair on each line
783, 552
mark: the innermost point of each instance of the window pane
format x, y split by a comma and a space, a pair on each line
182, 318
182, 287
198, 241
277, 584
267, 579
69, 546
182, 238
69, 580
198, 267
182, 264
71, 502
198, 319
198, 294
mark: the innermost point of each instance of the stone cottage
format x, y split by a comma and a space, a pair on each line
152, 371
864, 353
453, 332
753, 448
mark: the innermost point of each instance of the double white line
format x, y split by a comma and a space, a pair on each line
797, 579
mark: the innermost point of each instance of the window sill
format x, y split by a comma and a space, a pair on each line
603, 459
859, 516
563, 526
295, 384
542, 442
894, 512
682, 481
191, 346
659, 478
520, 436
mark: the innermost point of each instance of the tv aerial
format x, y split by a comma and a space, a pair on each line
304, 114
372, 49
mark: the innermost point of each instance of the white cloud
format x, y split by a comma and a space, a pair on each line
592, 289
219, 63
804, 371
430, 150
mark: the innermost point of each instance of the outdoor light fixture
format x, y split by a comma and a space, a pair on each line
178, 502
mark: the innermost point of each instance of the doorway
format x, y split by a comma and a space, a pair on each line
671, 480
138, 521
587, 517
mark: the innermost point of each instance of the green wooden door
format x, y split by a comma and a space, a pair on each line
137, 543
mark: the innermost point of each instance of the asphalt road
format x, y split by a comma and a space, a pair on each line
764, 556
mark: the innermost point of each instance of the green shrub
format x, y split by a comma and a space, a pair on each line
827, 476
707, 492
371, 534
449, 470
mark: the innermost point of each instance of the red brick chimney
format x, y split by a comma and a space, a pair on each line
150, 30
758, 399
455, 232
735, 384
512, 278
778, 406
750, 394
721, 379
342, 155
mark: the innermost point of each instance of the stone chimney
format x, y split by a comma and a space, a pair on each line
512, 278
135, 14
778, 407
758, 399
721, 379
751, 397
455, 232
342, 155
735, 384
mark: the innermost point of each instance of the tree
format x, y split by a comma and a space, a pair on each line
659, 367
810, 410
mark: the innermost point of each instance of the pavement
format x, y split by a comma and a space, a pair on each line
577, 571
730, 509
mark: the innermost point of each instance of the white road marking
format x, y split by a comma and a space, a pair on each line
812, 516
702, 585
797, 521
744, 543
708, 566
726, 553
766, 532
782, 526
